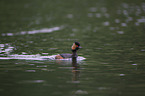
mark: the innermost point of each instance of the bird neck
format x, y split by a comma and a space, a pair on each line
74, 53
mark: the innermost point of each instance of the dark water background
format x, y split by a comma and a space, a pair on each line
111, 33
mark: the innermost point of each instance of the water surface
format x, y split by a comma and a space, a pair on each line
110, 32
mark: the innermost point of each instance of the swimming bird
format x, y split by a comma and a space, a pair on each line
76, 46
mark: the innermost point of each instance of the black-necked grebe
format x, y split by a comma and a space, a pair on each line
74, 48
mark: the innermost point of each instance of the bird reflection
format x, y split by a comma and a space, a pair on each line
75, 70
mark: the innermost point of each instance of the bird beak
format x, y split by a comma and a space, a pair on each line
80, 47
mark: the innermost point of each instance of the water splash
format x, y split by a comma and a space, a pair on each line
38, 57
6, 49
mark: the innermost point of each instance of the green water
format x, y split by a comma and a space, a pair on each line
111, 33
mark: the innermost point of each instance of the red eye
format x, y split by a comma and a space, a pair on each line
77, 46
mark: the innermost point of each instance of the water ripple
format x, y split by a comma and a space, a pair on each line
44, 30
